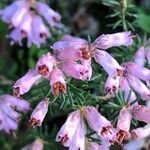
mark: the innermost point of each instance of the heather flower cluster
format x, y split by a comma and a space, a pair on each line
73, 57
10, 107
26, 20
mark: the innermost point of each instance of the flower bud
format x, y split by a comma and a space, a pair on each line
39, 113
111, 40
57, 82
45, 64
123, 125
24, 84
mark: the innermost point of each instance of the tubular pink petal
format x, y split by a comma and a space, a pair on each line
57, 82
68, 130
124, 86
78, 141
139, 86
52, 17
112, 85
45, 64
141, 113
24, 84
123, 125
110, 40
39, 113
138, 71
109, 64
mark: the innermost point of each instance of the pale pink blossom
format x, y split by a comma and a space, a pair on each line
67, 132
78, 141
25, 26
106, 41
140, 133
77, 71
16, 36
141, 113
24, 84
7, 13
52, 17
39, 113
137, 70
128, 92
57, 82
40, 31
139, 86
123, 124
139, 57
28, 23
18, 15
9, 112
71, 48
112, 85
99, 123
38, 144
109, 64
45, 64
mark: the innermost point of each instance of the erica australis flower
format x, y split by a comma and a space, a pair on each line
141, 113
45, 64
111, 40
109, 64
39, 113
28, 23
123, 124
9, 112
141, 132
67, 132
78, 141
138, 71
131, 79
99, 123
139, 86
24, 84
52, 17
71, 48
36, 145
57, 82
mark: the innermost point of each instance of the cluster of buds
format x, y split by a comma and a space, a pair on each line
138, 112
10, 107
72, 57
46, 67
134, 73
26, 19
73, 132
